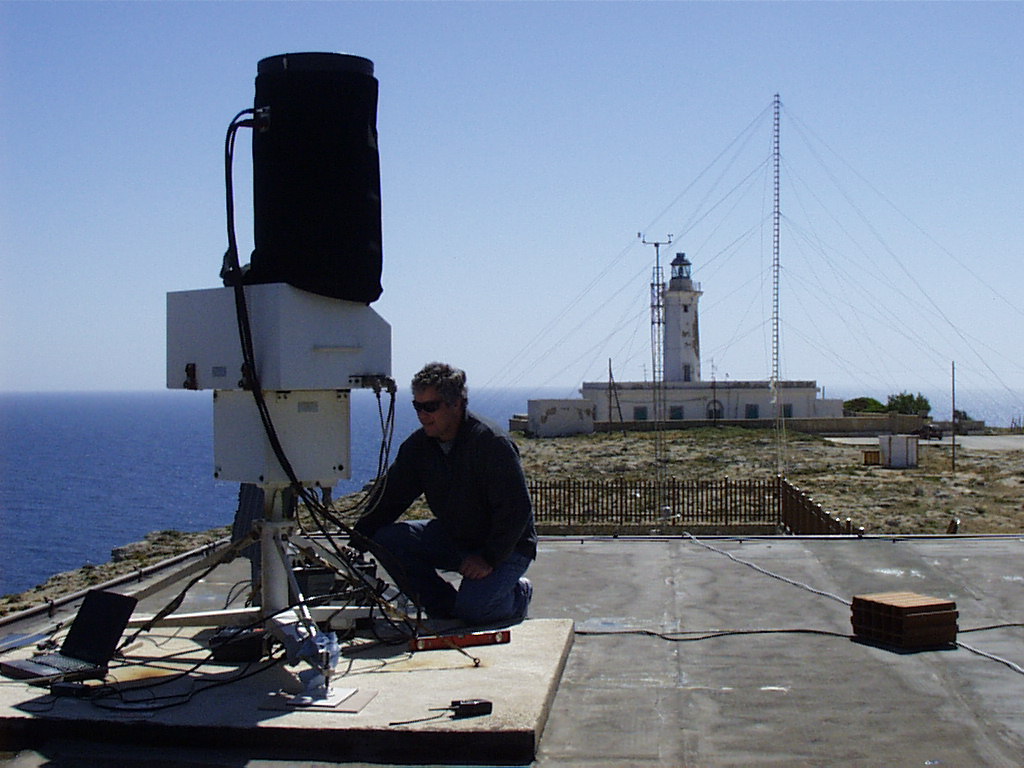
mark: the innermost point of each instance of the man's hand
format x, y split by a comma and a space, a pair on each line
475, 567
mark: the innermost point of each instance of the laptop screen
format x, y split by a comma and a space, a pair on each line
97, 628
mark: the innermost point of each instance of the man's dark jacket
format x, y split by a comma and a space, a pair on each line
477, 490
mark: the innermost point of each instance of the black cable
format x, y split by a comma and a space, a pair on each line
231, 269
991, 657
696, 635
169, 608
195, 666
179, 699
177, 600
766, 572
232, 274
232, 595
706, 634
992, 626
426, 719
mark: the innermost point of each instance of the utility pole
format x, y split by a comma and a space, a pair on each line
614, 392
609, 394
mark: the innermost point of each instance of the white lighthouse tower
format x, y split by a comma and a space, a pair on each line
682, 336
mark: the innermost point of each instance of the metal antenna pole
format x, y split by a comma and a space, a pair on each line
952, 418
714, 394
657, 353
776, 225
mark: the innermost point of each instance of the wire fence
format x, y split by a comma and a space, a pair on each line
762, 505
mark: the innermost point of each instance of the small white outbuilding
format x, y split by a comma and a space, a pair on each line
898, 451
558, 418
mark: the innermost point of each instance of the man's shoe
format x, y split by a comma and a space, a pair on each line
523, 598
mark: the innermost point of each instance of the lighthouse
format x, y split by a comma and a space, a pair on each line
678, 395
682, 336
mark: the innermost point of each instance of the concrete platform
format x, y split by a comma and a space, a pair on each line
395, 714
710, 652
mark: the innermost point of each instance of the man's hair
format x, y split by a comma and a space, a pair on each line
449, 381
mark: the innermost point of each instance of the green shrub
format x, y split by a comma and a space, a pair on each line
864, 405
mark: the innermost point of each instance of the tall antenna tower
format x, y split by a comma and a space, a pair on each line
657, 353
776, 395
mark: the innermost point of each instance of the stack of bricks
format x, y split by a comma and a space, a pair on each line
904, 620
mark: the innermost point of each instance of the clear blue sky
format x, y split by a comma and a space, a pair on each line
523, 146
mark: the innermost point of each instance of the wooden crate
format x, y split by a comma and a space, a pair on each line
904, 620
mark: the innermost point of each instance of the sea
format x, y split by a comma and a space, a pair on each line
83, 473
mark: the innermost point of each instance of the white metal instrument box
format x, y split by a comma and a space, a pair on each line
313, 427
301, 340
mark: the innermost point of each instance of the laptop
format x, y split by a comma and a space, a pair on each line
88, 647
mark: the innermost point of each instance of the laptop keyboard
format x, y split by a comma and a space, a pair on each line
65, 663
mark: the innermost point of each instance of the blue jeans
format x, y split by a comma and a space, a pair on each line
415, 550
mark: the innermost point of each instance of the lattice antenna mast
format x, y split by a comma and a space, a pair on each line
657, 309
776, 224
775, 251
657, 351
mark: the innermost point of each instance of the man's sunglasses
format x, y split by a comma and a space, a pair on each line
427, 406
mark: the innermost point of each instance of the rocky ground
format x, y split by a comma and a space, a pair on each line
156, 547
986, 493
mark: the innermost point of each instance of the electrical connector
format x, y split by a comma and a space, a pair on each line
470, 708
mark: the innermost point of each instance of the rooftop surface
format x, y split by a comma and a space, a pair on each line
703, 652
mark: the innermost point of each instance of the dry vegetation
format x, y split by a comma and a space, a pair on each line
986, 493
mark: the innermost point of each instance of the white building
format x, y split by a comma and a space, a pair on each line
558, 418
727, 400
683, 394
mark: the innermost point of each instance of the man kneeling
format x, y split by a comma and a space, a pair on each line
483, 527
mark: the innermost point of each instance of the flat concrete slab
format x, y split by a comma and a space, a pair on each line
395, 713
757, 665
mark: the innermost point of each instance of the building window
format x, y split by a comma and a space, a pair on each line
715, 410
752, 411
639, 413
675, 412
686, 307
687, 375
787, 410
